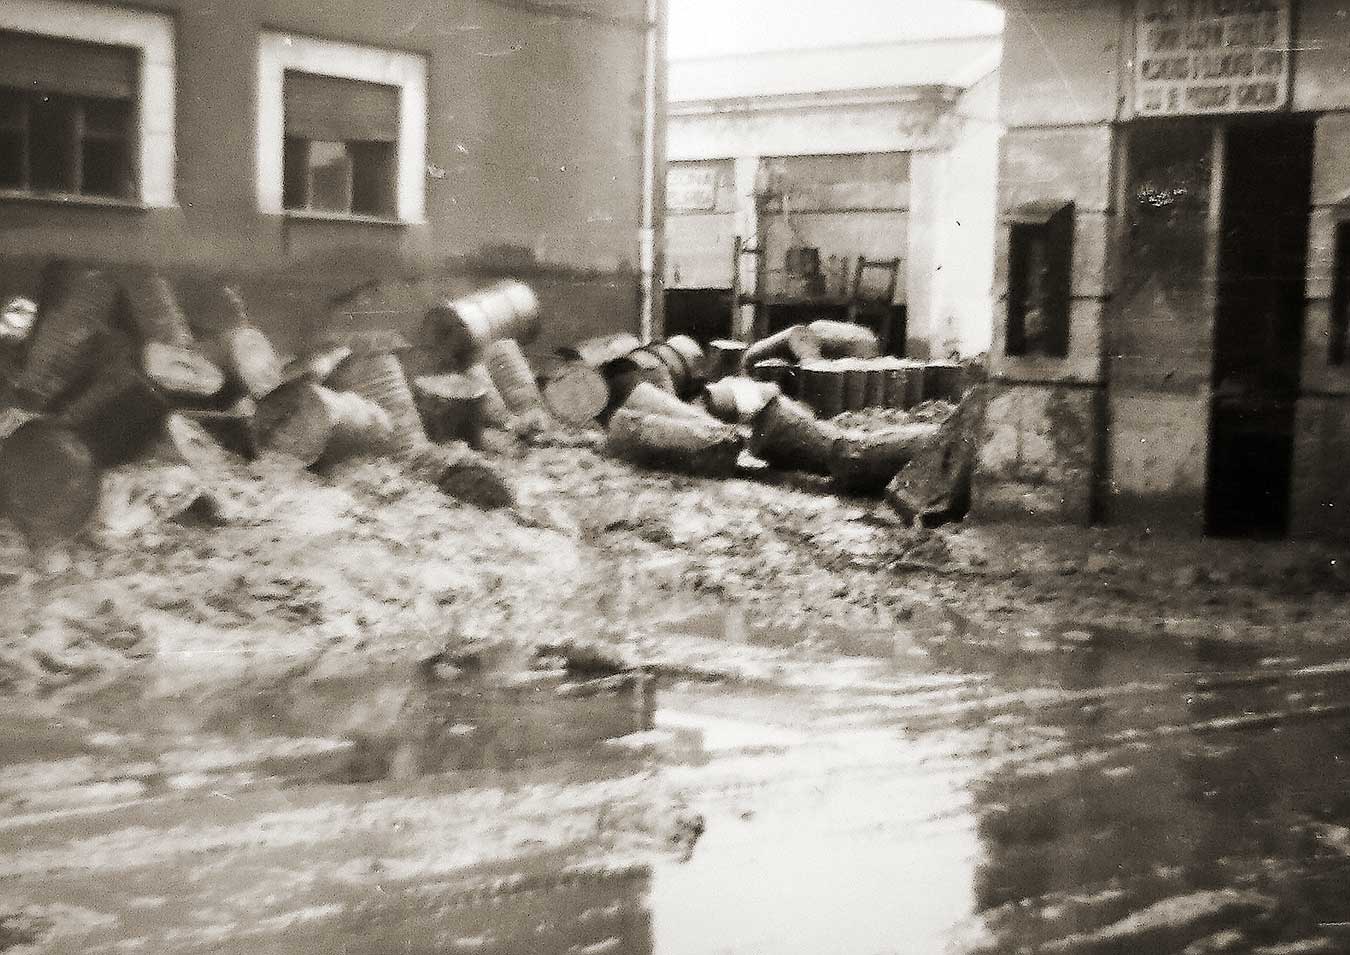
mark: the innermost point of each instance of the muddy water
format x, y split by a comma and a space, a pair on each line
926, 789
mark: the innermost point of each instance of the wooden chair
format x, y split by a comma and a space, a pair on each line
878, 307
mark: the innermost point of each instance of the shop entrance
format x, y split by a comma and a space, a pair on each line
1204, 355
1258, 328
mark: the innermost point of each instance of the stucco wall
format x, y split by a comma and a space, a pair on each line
534, 141
1066, 90
951, 139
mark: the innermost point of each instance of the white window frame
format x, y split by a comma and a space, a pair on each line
152, 34
279, 52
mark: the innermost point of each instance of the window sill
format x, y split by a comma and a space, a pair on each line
74, 200
305, 215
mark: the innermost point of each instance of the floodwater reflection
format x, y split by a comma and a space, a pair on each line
935, 790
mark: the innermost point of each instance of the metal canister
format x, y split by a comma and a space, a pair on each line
942, 380
65, 343
379, 377
458, 329
822, 387
49, 481
724, 358
684, 360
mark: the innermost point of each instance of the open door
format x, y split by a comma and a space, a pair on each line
1258, 325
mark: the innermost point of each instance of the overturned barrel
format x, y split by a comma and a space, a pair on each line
375, 372
118, 412
649, 399
737, 400
865, 462
513, 376
626, 373
457, 330
49, 481
68, 336
576, 393
845, 339
678, 444
684, 360
797, 343
152, 308
788, 436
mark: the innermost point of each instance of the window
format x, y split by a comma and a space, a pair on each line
340, 145
1040, 250
341, 129
67, 116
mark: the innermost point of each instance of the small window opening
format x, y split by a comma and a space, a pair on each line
1040, 281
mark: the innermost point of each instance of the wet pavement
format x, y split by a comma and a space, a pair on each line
930, 789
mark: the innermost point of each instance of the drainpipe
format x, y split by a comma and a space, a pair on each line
652, 233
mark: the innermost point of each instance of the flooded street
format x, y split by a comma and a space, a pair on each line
934, 788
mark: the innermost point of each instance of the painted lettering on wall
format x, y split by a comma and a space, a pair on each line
1211, 56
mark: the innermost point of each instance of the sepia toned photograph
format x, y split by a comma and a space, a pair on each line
674, 477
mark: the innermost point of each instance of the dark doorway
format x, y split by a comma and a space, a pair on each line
1258, 325
704, 314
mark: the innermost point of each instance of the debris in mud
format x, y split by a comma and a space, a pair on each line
1169, 922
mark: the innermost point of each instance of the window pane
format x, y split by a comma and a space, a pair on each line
11, 108
52, 144
295, 174
107, 167
372, 178
107, 117
11, 159
330, 177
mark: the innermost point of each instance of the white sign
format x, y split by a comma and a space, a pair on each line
1210, 56
691, 188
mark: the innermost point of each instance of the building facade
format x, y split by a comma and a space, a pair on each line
1173, 267
307, 152
812, 158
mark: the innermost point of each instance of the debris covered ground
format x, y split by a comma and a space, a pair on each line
536, 698
222, 724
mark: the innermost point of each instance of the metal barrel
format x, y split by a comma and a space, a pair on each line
65, 344
49, 481
738, 400
457, 330
855, 385
625, 374
576, 393
118, 413
378, 376
943, 380
845, 339
822, 387
451, 407
295, 420
778, 371
789, 436
152, 308
360, 426
875, 396
724, 358
512, 375
684, 360
904, 384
